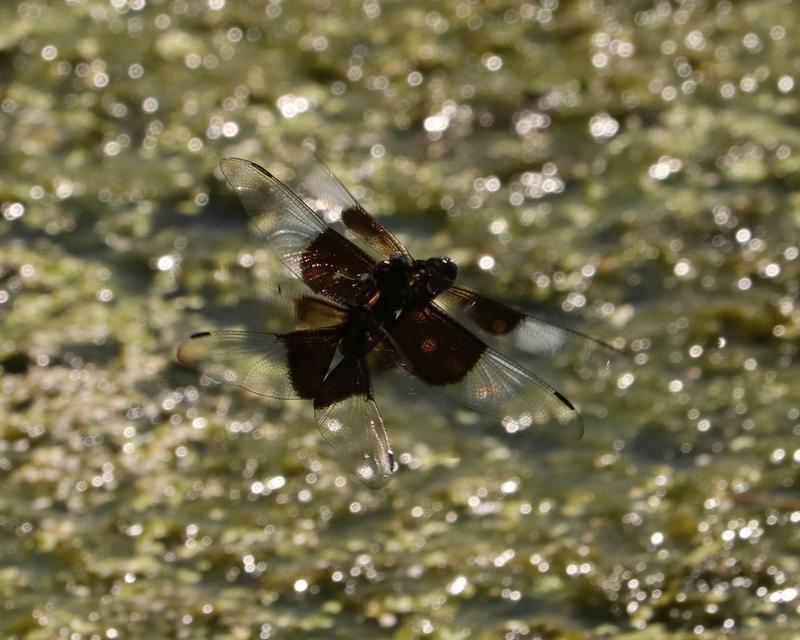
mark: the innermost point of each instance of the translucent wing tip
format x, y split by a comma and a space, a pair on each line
563, 422
231, 167
575, 428
375, 474
187, 352
568, 417
229, 163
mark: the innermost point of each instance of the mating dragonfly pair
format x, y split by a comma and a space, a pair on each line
370, 306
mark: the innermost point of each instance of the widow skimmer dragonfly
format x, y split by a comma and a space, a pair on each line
368, 305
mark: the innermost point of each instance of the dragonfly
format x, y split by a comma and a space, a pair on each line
366, 306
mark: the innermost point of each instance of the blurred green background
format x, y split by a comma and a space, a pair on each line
630, 168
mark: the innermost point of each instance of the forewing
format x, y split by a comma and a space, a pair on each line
324, 259
323, 191
508, 326
455, 362
349, 420
290, 365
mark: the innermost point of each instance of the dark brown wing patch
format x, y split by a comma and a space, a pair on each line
308, 356
490, 315
371, 231
438, 350
333, 266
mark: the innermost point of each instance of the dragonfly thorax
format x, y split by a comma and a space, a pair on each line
404, 283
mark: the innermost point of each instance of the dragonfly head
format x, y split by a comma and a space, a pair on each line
442, 269
441, 273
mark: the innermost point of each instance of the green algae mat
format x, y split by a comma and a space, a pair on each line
629, 169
